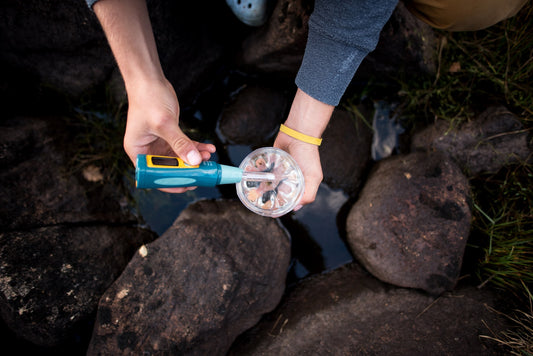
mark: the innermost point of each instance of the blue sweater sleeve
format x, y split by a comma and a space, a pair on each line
341, 34
90, 3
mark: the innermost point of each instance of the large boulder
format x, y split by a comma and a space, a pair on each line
345, 151
60, 42
64, 239
410, 224
63, 45
492, 140
406, 45
44, 188
253, 116
51, 278
207, 279
347, 312
278, 46
195, 41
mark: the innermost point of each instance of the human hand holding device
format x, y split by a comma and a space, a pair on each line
306, 122
153, 108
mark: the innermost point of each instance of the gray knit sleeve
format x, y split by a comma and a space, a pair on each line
90, 3
341, 34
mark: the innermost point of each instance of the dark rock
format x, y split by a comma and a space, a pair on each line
254, 116
43, 189
63, 239
411, 222
278, 46
207, 279
60, 41
63, 44
345, 151
51, 278
406, 45
492, 140
347, 312
194, 40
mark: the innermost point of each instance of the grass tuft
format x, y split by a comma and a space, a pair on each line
503, 215
492, 66
518, 338
99, 131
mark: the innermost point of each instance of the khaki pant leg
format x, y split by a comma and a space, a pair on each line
464, 15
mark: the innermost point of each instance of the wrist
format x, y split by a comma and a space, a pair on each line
317, 141
308, 115
143, 84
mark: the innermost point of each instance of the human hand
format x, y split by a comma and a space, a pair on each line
310, 117
153, 111
308, 159
152, 126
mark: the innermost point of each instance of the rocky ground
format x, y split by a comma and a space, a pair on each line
80, 275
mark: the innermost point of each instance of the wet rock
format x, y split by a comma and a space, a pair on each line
62, 42
51, 278
208, 278
411, 222
254, 116
194, 40
278, 46
345, 151
492, 140
347, 312
63, 239
43, 189
406, 45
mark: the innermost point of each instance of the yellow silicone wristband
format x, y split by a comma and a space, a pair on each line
300, 136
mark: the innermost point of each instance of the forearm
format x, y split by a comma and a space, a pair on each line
341, 34
128, 30
153, 108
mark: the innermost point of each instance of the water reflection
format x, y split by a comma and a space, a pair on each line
236, 153
159, 209
323, 248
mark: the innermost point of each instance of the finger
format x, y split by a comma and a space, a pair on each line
209, 147
205, 149
312, 183
205, 155
183, 146
177, 190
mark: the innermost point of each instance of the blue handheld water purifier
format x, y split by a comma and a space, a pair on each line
171, 172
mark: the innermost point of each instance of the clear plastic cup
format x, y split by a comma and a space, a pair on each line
271, 198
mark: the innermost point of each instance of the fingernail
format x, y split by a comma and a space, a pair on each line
297, 207
194, 157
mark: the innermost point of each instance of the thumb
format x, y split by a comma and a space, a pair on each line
184, 148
